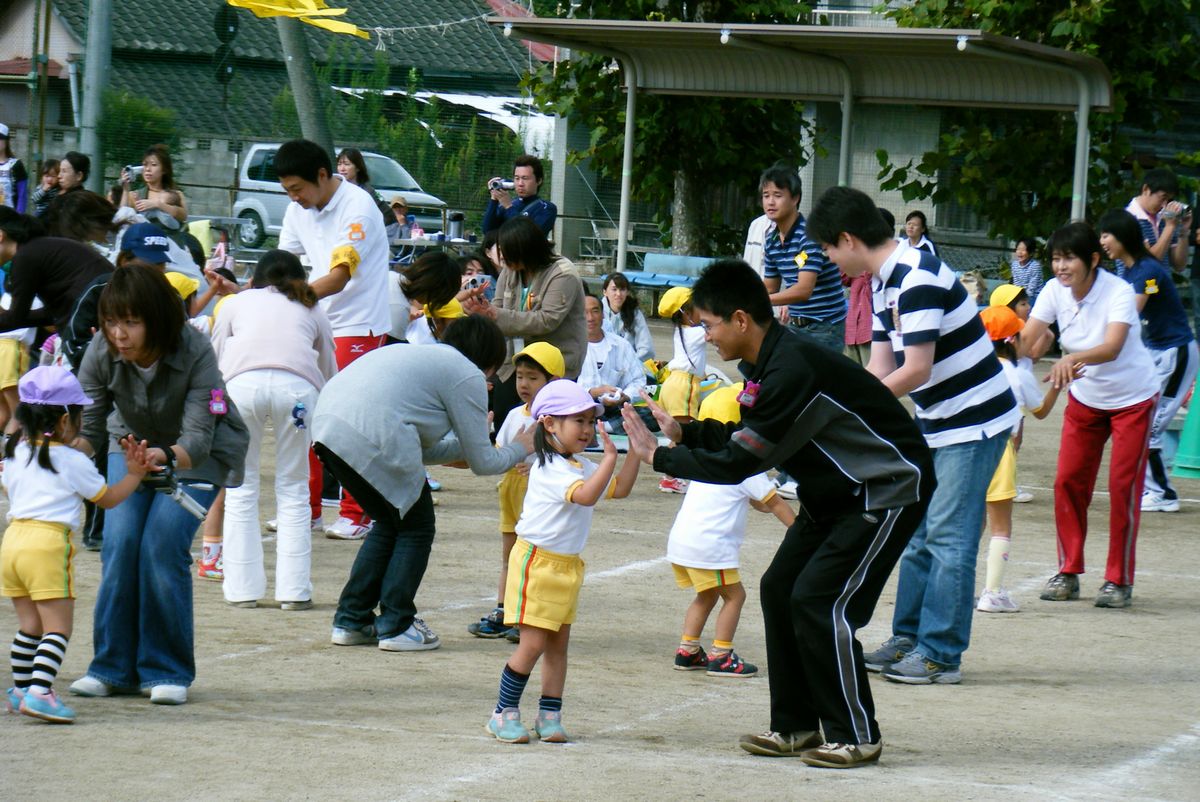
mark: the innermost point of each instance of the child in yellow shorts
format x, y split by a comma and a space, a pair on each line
703, 549
536, 365
545, 570
46, 482
679, 394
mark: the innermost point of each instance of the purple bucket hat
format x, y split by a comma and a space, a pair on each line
563, 397
51, 385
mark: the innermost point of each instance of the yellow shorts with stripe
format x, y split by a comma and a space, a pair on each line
1004, 480
702, 579
543, 587
680, 394
512, 500
37, 560
14, 361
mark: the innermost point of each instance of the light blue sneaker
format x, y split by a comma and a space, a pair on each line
549, 728
47, 707
506, 726
434, 484
417, 638
12, 700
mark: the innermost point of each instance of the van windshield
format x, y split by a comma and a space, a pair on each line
388, 174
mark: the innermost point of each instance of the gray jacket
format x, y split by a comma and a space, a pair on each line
173, 409
552, 312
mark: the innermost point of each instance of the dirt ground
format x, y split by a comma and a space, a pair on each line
1059, 702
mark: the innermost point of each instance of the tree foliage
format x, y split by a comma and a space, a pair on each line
685, 146
1015, 167
129, 124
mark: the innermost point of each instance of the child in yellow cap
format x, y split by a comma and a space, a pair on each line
536, 366
680, 392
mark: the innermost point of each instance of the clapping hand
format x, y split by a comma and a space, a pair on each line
642, 442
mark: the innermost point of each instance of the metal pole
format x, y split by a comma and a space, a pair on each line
1079, 186
847, 127
97, 58
630, 69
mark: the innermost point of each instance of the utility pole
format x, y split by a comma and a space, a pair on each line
96, 62
314, 125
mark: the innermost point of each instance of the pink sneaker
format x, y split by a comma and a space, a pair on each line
669, 484
213, 571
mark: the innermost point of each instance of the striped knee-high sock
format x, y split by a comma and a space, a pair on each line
512, 686
48, 660
24, 647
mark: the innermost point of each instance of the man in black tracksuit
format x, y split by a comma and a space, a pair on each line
864, 477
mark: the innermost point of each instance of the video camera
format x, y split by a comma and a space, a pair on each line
164, 481
501, 183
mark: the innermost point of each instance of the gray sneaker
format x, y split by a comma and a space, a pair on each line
892, 650
917, 669
352, 637
1114, 595
780, 744
1061, 587
843, 756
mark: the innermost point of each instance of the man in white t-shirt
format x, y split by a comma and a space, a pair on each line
611, 371
337, 226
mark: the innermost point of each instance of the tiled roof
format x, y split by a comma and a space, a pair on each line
186, 28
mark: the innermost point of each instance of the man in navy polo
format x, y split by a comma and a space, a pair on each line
527, 180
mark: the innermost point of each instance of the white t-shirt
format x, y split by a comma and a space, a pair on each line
756, 237
349, 229
1024, 386
36, 494
549, 519
690, 356
517, 419
25, 335
1127, 380
711, 524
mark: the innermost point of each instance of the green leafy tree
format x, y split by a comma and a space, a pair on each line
129, 125
685, 146
1014, 168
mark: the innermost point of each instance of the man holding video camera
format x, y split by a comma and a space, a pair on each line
526, 181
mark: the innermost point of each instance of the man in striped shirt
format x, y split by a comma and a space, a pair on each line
928, 342
796, 272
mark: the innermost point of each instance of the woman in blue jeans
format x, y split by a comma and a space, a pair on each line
153, 376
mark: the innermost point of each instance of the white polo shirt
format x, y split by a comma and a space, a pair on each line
1127, 380
711, 523
348, 230
549, 519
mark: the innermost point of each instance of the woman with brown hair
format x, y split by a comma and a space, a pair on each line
161, 192
353, 167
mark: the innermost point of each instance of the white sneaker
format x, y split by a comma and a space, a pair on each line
1157, 502
1023, 496
317, 526
787, 490
90, 686
345, 529
351, 637
997, 601
417, 638
168, 695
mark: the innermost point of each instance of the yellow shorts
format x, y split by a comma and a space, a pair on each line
37, 560
701, 579
512, 500
680, 394
1004, 480
543, 587
14, 361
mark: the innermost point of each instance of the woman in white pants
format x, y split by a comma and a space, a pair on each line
275, 348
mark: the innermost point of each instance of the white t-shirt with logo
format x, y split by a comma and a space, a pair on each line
711, 524
549, 519
348, 230
36, 494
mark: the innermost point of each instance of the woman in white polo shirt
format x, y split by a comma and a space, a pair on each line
1112, 394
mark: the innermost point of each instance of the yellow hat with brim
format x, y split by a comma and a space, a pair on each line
450, 311
1004, 295
673, 300
722, 404
546, 355
183, 284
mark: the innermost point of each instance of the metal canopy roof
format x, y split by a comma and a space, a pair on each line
886, 65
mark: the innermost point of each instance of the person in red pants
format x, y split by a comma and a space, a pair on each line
1112, 392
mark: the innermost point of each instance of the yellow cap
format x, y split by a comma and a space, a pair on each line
185, 285
673, 300
722, 404
1004, 294
451, 311
546, 355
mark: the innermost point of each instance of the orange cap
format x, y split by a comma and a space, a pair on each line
1001, 322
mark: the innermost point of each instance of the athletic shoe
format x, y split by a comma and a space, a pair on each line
690, 661
780, 744
47, 707
212, 570
843, 756
296, 606
12, 700
917, 669
92, 543
892, 650
513, 635
352, 637
434, 484
1157, 502
1061, 587
1114, 595
997, 601
316, 524
417, 638
506, 726
730, 665
787, 490
490, 626
345, 529
549, 728
1023, 496
91, 687
248, 604
168, 695
669, 484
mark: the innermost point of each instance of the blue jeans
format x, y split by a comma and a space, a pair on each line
830, 335
142, 629
936, 595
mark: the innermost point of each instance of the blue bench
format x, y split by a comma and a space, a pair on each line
662, 271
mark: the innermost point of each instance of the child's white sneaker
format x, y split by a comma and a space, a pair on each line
997, 601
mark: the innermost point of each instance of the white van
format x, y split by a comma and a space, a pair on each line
261, 202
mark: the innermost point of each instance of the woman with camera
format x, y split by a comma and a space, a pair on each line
162, 195
153, 376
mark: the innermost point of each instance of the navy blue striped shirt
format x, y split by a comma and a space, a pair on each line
918, 299
784, 259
